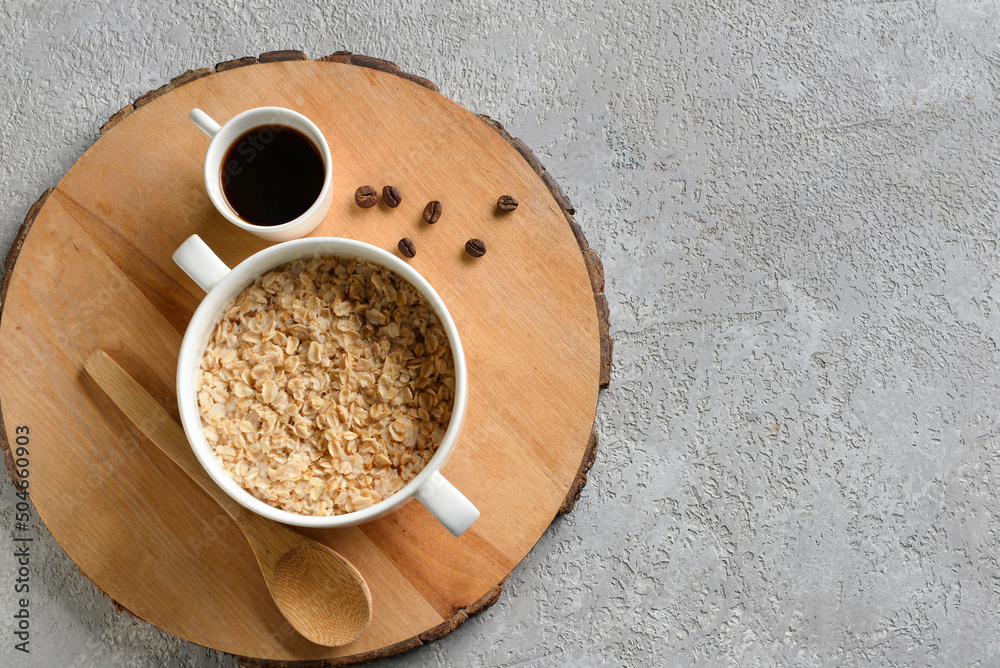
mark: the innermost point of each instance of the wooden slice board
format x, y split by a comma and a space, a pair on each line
93, 270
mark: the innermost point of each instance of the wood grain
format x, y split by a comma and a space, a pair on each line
95, 271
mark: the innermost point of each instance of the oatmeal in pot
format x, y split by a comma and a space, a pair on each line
326, 386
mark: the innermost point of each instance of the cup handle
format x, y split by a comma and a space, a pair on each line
200, 263
204, 122
448, 505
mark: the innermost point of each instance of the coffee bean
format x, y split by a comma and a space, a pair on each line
475, 247
432, 212
407, 247
391, 196
506, 203
366, 197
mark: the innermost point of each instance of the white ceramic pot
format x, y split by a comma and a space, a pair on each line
223, 285
223, 137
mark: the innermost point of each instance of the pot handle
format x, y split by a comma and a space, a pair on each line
200, 263
448, 505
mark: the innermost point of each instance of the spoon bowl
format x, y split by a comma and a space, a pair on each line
333, 614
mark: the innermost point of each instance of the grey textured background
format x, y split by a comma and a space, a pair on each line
796, 204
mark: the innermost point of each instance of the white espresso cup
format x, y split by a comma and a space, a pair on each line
223, 137
223, 285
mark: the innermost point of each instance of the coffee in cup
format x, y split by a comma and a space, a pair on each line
272, 174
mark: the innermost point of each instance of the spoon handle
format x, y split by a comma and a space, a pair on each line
155, 423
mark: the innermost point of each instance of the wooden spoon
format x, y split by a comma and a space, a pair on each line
321, 595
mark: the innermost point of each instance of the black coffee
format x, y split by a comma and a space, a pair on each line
272, 174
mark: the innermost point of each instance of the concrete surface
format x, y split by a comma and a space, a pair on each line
796, 204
